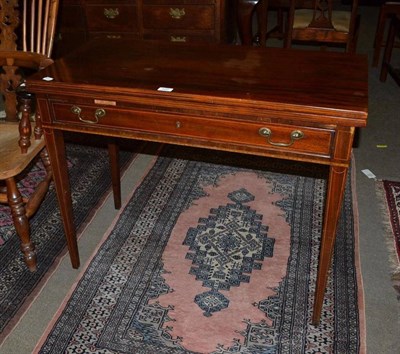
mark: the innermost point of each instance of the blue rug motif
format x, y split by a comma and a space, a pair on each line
224, 248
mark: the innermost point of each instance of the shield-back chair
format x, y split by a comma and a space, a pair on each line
323, 22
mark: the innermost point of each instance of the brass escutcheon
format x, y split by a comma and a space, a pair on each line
176, 14
111, 13
294, 135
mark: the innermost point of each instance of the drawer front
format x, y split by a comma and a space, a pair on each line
112, 18
188, 17
293, 139
114, 35
180, 37
108, 2
178, 2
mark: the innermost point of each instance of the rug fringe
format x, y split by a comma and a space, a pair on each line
394, 261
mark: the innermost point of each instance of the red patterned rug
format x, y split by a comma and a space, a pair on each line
216, 253
390, 194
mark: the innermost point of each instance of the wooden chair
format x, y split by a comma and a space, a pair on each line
278, 30
386, 12
18, 149
323, 22
26, 41
387, 65
20, 144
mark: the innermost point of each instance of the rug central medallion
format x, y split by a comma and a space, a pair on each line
224, 249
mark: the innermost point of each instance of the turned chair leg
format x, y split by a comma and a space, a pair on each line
21, 223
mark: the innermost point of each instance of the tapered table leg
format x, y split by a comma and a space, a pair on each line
56, 149
333, 203
113, 153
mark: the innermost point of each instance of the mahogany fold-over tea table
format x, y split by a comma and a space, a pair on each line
287, 104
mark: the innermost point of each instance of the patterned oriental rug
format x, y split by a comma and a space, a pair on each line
216, 255
91, 182
389, 192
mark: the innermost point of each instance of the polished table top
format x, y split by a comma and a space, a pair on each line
324, 82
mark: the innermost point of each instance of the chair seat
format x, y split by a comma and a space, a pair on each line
340, 19
12, 161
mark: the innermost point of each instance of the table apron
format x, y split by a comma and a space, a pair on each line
302, 142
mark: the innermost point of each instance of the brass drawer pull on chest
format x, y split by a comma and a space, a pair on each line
99, 113
177, 14
178, 39
111, 13
294, 135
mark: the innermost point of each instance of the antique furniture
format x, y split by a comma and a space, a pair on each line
26, 42
263, 101
314, 21
19, 143
321, 22
18, 148
387, 65
245, 10
278, 31
387, 10
170, 20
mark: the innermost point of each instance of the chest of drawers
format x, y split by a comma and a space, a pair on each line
183, 20
170, 20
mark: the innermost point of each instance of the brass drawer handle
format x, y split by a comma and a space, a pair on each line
111, 13
294, 135
177, 39
176, 14
99, 113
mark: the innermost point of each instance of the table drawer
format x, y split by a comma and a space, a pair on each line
285, 137
190, 17
112, 18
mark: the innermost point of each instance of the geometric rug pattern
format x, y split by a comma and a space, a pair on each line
216, 253
90, 182
389, 192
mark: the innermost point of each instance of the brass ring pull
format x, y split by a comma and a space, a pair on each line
294, 135
111, 13
99, 113
176, 14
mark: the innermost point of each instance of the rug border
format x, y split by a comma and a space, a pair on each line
357, 261
31, 298
394, 259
